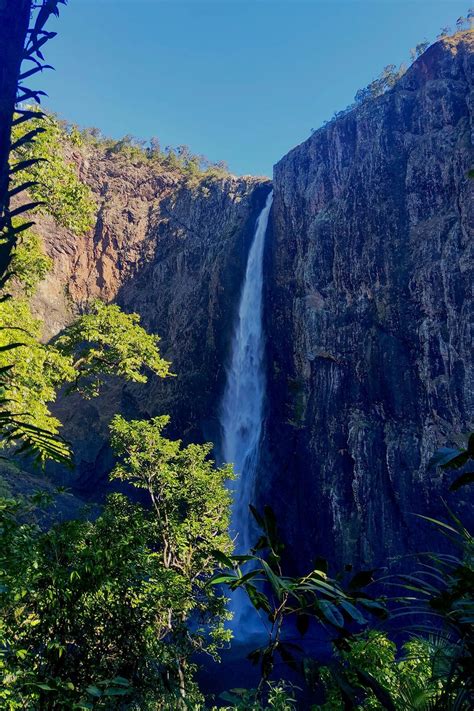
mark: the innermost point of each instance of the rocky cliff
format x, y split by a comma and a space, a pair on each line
172, 249
369, 313
368, 306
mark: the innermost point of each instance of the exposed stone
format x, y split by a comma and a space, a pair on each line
172, 250
368, 308
369, 311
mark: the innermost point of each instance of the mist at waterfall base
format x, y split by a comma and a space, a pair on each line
242, 413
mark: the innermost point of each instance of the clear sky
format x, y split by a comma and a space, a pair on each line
238, 80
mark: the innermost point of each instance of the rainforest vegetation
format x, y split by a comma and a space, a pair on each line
118, 608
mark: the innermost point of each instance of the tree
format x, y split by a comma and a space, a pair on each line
18, 43
96, 610
444, 32
14, 19
105, 342
282, 600
54, 183
190, 504
418, 50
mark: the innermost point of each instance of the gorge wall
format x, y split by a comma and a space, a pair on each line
370, 313
368, 307
173, 250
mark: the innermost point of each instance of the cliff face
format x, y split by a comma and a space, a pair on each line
368, 308
369, 311
172, 250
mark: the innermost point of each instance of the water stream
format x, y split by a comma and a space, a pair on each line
242, 407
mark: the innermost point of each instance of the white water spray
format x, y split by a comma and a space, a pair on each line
241, 412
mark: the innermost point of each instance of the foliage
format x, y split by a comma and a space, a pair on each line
282, 599
190, 503
26, 48
180, 159
30, 382
107, 341
456, 458
435, 668
368, 675
53, 181
390, 74
29, 264
277, 696
103, 343
94, 610
442, 590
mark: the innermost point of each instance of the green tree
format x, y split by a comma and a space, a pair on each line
191, 504
100, 344
29, 264
54, 182
97, 610
368, 673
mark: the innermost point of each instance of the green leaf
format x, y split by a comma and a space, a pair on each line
223, 559
257, 517
24, 164
302, 623
254, 656
273, 579
27, 137
380, 691
470, 445
448, 458
463, 480
376, 608
321, 564
288, 657
94, 691
247, 576
438, 523
25, 208
351, 610
231, 698
257, 598
43, 686
120, 681
218, 579
270, 524
116, 691
331, 613
9, 347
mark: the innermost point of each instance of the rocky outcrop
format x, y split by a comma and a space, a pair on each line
369, 313
368, 308
171, 249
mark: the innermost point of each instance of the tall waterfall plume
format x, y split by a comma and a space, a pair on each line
242, 407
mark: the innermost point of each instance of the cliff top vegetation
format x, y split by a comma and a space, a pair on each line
392, 73
179, 159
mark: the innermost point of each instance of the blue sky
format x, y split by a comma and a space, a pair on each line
238, 80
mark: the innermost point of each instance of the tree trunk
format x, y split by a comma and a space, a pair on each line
14, 20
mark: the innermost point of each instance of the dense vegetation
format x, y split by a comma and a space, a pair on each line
179, 159
109, 610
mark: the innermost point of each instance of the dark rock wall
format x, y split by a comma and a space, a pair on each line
370, 313
368, 308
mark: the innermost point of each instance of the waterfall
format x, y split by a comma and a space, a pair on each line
241, 412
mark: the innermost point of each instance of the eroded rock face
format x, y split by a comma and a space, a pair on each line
368, 309
369, 313
173, 251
